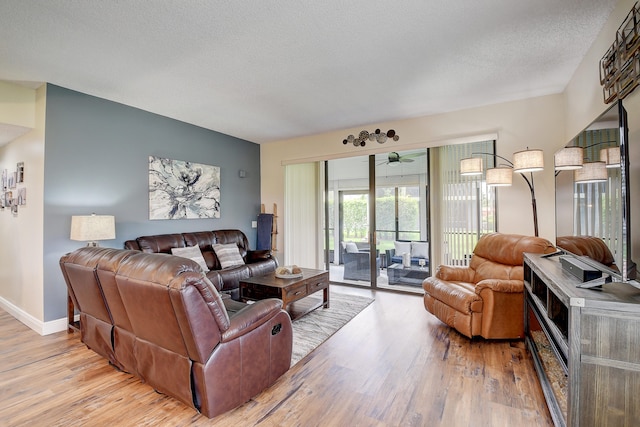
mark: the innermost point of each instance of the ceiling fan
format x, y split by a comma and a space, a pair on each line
395, 158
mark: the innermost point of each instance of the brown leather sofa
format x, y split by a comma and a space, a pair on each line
158, 316
593, 247
257, 263
486, 298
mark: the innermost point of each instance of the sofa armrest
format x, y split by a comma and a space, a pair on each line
452, 273
253, 256
389, 253
251, 317
215, 279
132, 245
500, 285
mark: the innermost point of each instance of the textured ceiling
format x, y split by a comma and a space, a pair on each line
266, 70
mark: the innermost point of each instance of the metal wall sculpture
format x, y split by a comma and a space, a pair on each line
620, 65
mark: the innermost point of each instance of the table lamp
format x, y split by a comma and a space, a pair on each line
92, 228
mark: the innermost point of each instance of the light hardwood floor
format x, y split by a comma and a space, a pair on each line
393, 365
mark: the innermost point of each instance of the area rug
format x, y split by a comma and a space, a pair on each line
314, 328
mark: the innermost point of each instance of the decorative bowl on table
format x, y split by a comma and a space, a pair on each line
288, 272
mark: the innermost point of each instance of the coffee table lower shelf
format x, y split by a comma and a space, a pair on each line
306, 305
296, 294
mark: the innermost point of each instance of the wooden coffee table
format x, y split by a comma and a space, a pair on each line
295, 293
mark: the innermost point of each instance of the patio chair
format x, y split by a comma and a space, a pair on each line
357, 263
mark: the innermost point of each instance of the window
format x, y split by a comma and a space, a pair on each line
466, 205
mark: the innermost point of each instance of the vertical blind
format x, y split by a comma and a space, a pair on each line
467, 205
302, 215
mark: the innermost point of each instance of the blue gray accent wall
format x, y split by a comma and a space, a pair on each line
96, 160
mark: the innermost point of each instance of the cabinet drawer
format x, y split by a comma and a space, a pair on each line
316, 285
297, 292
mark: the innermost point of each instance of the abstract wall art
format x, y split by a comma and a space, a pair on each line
183, 190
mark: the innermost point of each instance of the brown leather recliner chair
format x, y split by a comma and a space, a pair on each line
486, 298
159, 317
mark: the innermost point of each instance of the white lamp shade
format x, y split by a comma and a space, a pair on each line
528, 161
611, 157
591, 172
90, 228
499, 177
471, 166
569, 158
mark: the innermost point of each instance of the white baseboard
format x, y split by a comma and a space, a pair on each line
42, 328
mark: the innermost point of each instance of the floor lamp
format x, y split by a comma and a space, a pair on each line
526, 161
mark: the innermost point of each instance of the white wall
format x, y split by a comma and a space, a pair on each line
534, 123
584, 100
17, 106
21, 251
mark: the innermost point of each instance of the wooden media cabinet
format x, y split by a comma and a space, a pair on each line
585, 345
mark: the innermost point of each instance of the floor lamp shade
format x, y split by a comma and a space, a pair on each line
591, 172
528, 161
471, 166
91, 228
611, 157
499, 177
569, 158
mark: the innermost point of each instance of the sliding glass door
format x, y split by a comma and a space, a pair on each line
372, 202
388, 220
402, 218
349, 225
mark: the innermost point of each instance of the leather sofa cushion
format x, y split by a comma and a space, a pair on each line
161, 243
203, 239
486, 269
509, 248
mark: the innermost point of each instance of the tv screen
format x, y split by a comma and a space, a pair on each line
593, 199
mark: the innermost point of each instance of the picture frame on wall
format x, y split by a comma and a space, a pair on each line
22, 196
183, 190
13, 195
20, 172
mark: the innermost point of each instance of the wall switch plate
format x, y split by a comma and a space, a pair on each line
254, 224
